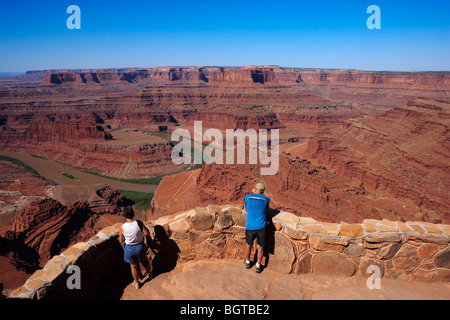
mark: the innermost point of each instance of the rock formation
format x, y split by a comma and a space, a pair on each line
71, 116
45, 227
101, 198
402, 154
250, 74
18, 188
391, 166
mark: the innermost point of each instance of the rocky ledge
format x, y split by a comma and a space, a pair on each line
410, 251
413, 250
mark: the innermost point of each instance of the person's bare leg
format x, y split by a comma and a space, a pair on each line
248, 251
135, 272
260, 254
147, 266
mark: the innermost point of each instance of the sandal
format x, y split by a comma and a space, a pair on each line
136, 285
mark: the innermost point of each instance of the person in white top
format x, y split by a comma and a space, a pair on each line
131, 235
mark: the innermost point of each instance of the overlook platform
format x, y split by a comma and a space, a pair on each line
198, 254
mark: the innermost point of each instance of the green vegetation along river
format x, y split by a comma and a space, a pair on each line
63, 174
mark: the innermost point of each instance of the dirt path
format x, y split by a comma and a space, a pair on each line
181, 188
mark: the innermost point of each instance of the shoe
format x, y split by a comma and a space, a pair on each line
136, 285
258, 269
248, 265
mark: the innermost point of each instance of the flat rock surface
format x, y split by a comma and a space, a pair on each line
229, 280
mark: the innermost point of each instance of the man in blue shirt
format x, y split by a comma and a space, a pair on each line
256, 205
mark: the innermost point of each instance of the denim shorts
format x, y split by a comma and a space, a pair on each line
134, 253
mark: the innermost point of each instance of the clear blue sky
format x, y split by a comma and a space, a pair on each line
414, 35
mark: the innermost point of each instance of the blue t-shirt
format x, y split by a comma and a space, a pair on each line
256, 206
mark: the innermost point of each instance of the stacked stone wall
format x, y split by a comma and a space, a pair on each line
409, 251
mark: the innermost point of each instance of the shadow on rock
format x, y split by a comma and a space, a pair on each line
165, 251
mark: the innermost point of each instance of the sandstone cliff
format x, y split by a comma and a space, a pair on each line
59, 131
71, 117
403, 153
392, 166
46, 226
254, 74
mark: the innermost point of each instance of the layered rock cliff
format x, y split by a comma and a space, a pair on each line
403, 153
58, 131
46, 226
253, 74
392, 166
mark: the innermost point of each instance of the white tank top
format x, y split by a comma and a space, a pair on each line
132, 233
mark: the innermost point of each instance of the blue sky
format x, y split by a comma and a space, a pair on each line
414, 35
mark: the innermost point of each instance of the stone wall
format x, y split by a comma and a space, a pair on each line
412, 251
101, 268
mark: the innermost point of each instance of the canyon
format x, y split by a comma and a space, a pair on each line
83, 118
354, 145
393, 166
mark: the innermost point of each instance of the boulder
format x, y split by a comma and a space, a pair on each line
202, 221
388, 252
327, 243
236, 213
442, 260
354, 250
195, 238
378, 238
304, 263
333, 264
366, 263
314, 228
213, 208
395, 274
407, 258
180, 225
428, 250
283, 255
295, 233
224, 220
351, 230
242, 220
436, 275
184, 247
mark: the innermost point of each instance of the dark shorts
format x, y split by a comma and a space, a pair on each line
134, 253
260, 236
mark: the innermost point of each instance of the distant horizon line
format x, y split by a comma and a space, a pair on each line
18, 73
